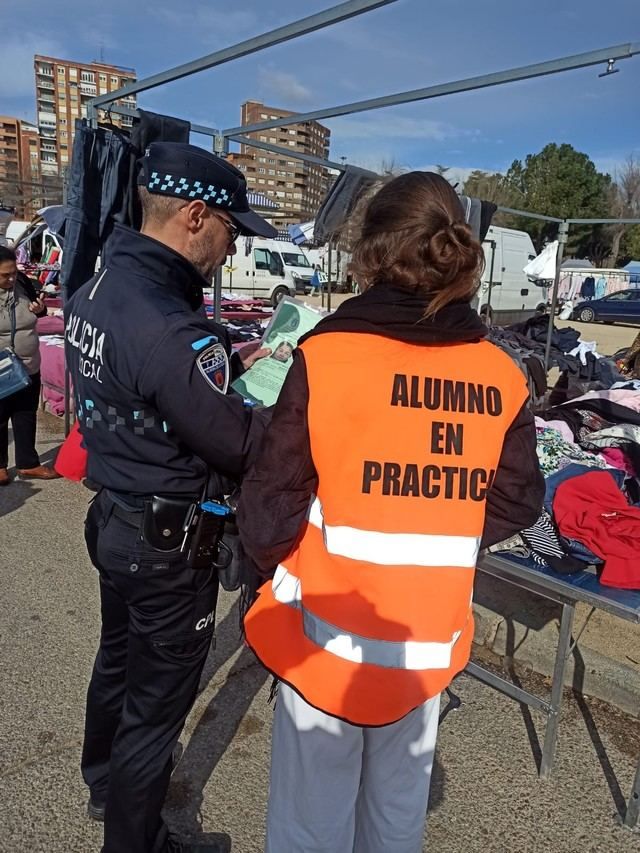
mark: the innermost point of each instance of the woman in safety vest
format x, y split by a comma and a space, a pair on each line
400, 446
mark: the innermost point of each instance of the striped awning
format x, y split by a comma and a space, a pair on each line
261, 202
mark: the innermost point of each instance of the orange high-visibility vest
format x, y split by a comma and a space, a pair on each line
370, 614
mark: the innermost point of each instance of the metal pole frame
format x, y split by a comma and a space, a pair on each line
67, 375
562, 656
195, 128
529, 215
492, 243
484, 81
603, 221
296, 155
551, 708
563, 234
329, 272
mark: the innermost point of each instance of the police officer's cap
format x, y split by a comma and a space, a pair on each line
186, 171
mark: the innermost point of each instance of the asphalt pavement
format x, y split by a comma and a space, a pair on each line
486, 796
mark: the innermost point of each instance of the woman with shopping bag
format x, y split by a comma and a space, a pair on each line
20, 307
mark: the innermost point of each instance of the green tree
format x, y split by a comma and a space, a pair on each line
491, 186
560, 181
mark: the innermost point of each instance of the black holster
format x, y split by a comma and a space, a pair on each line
164, 520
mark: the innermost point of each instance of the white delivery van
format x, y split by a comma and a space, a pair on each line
267, 269
506, 295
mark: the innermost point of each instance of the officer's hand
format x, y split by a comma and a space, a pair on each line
251, 353
37, 307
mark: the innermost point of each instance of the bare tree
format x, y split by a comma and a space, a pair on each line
625, 203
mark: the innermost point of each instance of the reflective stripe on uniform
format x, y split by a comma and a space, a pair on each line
396, 549
409, 655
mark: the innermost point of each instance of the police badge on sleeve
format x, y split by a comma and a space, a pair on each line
213, 364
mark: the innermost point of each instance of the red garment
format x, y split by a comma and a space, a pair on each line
593, 510
72, 457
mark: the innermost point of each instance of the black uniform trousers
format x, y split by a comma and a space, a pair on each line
21, 409
157, 625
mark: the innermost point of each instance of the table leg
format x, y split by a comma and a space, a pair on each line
633, 806
562, 654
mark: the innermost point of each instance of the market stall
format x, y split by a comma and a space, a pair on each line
599, 435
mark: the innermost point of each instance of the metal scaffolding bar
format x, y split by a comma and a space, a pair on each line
287, 152
526, 72
334, 15
526, 213
563, 234
604, 221
195, 128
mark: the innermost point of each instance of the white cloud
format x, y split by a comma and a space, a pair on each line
208, 23
17, 77
280, 86
381, 127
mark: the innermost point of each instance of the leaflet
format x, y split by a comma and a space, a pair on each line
264, 379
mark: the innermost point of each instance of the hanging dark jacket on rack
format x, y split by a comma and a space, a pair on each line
588, 289
101, 189
98, 189
147, 128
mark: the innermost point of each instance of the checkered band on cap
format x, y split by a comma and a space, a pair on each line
188, 188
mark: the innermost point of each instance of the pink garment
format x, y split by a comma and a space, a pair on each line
622, 396
559, 426
52, 372
50, 325
618, 459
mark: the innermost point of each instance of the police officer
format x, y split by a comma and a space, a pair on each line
150, 376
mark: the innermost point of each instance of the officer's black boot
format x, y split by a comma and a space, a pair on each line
95, 810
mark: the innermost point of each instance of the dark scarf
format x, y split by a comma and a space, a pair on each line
398, 314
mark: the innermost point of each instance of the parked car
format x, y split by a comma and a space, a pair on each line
620, 307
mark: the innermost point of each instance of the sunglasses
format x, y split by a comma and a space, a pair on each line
232, 228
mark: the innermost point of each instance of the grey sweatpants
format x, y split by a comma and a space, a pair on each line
338, 788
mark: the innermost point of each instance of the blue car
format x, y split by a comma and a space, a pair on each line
620, 307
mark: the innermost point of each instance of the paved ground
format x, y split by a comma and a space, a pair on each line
486, 797
610, 337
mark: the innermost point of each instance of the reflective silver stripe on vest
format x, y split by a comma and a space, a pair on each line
409, 655
396, 549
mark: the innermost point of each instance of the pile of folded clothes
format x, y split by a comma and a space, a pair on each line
589, 453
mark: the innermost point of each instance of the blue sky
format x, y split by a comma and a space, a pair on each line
409, 44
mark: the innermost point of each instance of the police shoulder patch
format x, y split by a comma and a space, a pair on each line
213, 364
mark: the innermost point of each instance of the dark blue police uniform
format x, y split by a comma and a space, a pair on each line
149, 373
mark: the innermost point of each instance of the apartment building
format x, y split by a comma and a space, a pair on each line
20, 177
63, 89
297, 187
